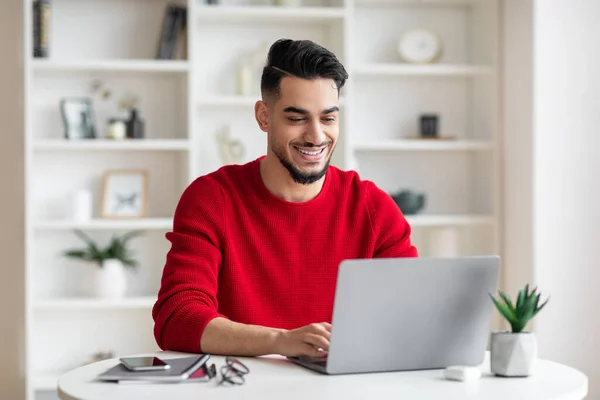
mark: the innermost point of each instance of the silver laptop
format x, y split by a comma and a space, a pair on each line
400, 314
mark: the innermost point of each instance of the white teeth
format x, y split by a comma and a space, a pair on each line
309, 153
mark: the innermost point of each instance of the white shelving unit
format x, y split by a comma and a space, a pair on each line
187, 101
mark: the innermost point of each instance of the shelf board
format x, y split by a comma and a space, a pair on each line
219, 13
110, 65
401, 69
107, 144
423, 145
448, 220
224, 100
234, 101
102, 224
405, 3
46, 381
82, 303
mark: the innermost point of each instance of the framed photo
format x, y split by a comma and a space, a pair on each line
78, 118
125, 194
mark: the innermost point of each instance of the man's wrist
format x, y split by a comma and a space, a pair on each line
274, 340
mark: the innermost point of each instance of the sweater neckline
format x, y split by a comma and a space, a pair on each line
266, 193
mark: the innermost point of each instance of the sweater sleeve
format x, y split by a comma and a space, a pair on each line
187, 299
391, 231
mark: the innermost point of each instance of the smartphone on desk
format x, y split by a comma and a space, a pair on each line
144, 363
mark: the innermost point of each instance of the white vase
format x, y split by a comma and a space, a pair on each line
110, 281
513, 354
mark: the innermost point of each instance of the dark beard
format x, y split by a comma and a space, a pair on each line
299, 176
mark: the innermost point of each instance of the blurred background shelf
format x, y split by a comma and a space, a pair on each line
423, 145
112, 145
449, 220
397, 69
105, 224
176, 66
223, 13
144, 303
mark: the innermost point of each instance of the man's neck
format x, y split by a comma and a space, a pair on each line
278, 181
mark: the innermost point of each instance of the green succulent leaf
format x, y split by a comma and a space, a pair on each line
526, 307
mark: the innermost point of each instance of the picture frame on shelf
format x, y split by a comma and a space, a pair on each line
78, 118
124, 194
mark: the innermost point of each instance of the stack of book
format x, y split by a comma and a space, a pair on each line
173, 28
185, 369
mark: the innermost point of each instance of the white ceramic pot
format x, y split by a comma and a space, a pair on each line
513, 354
110, 281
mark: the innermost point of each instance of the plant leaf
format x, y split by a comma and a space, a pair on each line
537, 310
507, 300
506, 311
520, 299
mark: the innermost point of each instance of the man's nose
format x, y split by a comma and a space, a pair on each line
315, 133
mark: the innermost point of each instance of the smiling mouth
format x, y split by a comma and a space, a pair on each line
311, 153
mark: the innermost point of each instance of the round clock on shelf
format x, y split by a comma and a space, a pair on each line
420, 46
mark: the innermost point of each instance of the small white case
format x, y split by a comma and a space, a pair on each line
462, 373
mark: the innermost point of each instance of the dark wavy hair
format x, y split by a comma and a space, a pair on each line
302, 59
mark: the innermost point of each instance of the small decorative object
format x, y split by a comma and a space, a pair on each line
231, 150
124, 194
117, 129
41, 28
244, 78
78, 118
109, 280
514, 353
135, 125
409, 201
288, 3
443, 242
249, 69
100, 356
420, 46
429, 124
81, 205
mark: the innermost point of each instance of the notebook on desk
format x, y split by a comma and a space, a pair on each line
181, 370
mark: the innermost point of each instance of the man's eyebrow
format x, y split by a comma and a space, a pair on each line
295, 110
305, 112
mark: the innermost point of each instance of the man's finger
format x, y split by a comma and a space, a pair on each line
317, 341
311, 351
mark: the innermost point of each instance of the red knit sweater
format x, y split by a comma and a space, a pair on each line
239, 252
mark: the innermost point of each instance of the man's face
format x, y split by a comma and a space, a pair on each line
304, 127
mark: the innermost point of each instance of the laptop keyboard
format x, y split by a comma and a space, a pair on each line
314, 360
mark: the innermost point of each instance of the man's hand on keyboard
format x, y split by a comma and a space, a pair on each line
310, 340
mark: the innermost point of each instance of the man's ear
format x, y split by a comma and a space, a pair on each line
261, 113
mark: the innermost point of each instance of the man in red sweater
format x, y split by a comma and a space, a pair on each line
255, 248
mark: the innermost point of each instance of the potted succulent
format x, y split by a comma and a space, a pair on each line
109, 280
514, 352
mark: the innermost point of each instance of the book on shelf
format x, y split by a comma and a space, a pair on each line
172, 38
41, 28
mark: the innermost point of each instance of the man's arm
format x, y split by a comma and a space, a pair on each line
186, 313
390, 229
187, 299
222, 336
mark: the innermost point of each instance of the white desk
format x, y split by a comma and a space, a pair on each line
277, 378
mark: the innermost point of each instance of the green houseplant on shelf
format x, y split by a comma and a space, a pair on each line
514, 352
109, 279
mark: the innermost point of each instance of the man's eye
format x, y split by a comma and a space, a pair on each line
296, 119
330, 119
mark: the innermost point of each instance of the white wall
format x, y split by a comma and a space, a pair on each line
12, 270
567, 180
